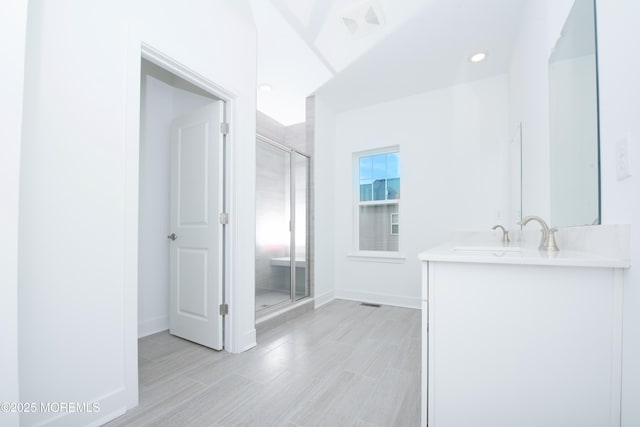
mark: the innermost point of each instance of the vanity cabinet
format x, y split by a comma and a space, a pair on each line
518, 341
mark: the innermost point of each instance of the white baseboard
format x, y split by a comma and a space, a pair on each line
153, 326
111, 406
325, 298
383, 299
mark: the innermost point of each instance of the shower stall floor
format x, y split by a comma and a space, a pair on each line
266, 298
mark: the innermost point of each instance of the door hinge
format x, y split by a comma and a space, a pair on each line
224, 218
224, 128
224, 309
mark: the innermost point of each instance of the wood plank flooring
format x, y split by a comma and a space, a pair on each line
341, 365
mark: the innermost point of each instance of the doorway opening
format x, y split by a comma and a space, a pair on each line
181, 196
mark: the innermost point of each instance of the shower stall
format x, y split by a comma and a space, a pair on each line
282, 226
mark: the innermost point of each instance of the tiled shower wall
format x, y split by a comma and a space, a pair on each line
272, 211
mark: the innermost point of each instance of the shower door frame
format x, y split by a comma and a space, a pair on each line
292, 227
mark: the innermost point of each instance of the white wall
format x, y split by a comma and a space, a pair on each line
13, 23
453, 149
78, 193
619, 91
324, 187
164, 97
618, 71
156, 113
295, 137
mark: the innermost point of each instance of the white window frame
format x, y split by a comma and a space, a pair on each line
395, 220
357, 254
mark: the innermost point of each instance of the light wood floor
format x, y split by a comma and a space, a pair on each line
342, 365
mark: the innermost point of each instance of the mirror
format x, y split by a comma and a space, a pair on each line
573, 121
515, 177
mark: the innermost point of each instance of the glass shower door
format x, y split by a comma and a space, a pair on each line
282, 225
273, 236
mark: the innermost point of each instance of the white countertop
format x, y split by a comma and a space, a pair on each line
526, 256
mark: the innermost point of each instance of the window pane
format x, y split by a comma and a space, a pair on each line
379, 177
393, 188
393, 166
365, 192
379, 181
379, 166
366, 168
375, 228
379, 189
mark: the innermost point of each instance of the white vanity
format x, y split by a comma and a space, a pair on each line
520, 337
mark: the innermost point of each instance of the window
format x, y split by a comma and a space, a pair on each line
378, 200
394, 224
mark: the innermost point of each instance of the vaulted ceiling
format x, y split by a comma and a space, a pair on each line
360, 52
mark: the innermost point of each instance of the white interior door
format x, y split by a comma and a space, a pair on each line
196, 233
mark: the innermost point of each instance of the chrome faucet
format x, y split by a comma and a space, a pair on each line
505, 234
548, 240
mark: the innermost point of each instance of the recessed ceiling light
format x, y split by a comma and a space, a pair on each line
264, 87
480, 56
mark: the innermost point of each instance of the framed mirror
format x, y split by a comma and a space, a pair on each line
573, 121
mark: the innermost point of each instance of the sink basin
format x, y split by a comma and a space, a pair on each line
488, 248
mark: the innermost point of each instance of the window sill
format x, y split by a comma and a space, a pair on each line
377, 256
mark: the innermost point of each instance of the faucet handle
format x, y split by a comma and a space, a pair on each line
505, 233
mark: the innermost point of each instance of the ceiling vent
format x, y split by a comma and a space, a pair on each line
363, 19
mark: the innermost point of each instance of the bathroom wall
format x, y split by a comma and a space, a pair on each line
618, 71
453, 149
13, 23
310, 126
78, 189
295, 137
164, 97
619, 91
270, 128
324, 179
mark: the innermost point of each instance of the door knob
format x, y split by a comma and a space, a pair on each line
172, 236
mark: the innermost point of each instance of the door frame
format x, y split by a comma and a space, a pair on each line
168, 64
138, 51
